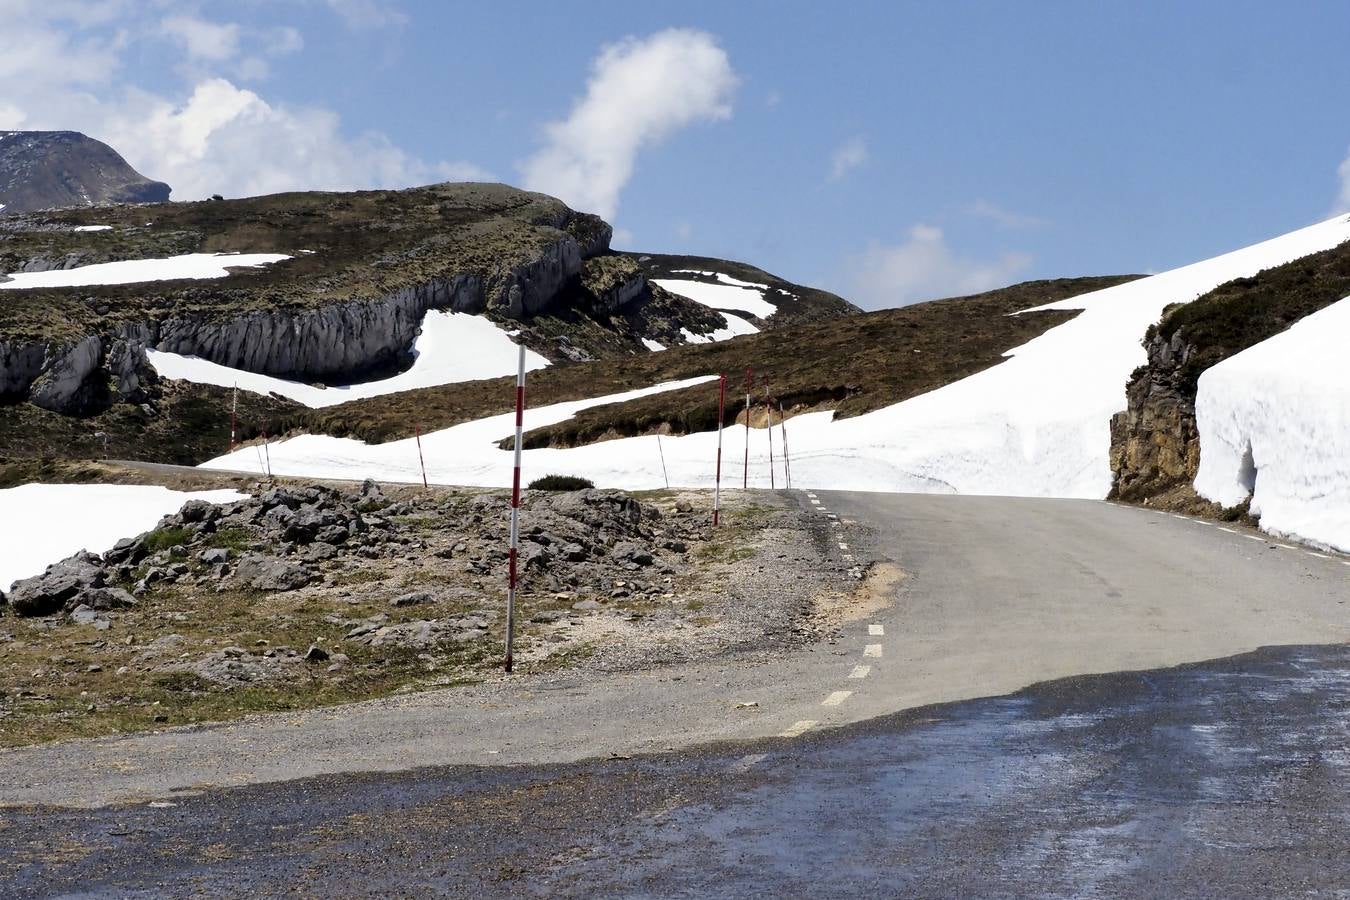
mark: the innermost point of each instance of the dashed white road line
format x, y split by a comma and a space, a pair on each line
1318, 555
1229, 530
814, 500
859, 672
848, 556
876, 629
798, 728
836, 698
843, 546
873, 651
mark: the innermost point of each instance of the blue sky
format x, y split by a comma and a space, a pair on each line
888, 151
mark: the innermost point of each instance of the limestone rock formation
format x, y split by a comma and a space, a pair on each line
55, 169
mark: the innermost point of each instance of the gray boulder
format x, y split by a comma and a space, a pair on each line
57, 588
267, 573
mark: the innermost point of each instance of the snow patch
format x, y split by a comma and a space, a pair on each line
452, 347
654, 346
92, 228
1274, 424
736, 295
133, 271
735, 326
44, 523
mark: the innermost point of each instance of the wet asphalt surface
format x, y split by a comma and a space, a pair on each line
1222, 779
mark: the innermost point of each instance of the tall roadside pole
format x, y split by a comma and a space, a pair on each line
515, 515
421, 461
234, 417
787, 460
768, 411
721, 411
745, 473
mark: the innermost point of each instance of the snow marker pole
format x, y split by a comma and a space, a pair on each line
768, 409
234, 417
267, 454
745, 472
787, 460
420, 460
664, 473
515, 515
721, 409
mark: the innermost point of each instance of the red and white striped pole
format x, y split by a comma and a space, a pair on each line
787, 459
234, 417
515, 515
745, 473
422, 462
768, 410
721, 410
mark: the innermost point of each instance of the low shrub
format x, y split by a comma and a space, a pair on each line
561, 483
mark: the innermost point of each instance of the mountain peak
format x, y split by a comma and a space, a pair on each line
54, 169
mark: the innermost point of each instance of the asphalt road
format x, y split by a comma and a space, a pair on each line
1000, 594
1224, 779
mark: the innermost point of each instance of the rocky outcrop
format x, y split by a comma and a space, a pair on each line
1155, 443
341, 342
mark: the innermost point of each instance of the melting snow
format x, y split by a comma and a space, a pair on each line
132, 271
92, 228
654, 346
741, 296
43, 523
452, 347
1274, 425
735, 326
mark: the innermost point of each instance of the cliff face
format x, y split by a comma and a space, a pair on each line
55, 169
1155, 444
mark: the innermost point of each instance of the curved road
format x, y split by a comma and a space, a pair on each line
1000, 593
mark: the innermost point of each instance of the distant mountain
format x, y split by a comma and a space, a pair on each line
56, 169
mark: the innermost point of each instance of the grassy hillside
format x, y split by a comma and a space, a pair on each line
853, 365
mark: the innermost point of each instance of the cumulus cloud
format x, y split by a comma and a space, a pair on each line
210, 137
848, 156
924, 267
359, 14
202, 40
640, 92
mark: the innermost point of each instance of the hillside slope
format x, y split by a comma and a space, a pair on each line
54, 169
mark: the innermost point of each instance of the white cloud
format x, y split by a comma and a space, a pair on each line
923, 267
982, 209
772, 99
211, 136
358, 14
847, 157
202, 40
640, 92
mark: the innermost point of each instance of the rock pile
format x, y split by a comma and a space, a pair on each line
592, 542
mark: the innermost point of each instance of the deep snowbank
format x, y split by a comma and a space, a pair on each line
43, 523
452, 347
1274, 425
132, 271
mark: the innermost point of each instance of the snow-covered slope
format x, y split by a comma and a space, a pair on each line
735, 326
43, 523
1274, 424
452, 347
464, 454
133, 271
1037, 424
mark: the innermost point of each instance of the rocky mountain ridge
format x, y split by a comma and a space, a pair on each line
57, 169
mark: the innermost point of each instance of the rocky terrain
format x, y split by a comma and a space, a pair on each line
1155, 443
365, 268
54, 169
308, 594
